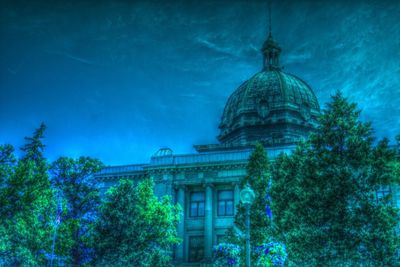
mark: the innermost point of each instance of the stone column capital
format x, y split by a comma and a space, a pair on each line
180, 186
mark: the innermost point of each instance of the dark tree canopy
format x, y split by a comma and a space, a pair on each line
34, 146
27, 205
324, 196
258, 178
74, 181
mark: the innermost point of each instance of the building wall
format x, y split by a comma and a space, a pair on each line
180, 180
209, 228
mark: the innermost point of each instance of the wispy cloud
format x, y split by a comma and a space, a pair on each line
215, 47
70, 56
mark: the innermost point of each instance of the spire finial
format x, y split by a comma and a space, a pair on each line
269, 18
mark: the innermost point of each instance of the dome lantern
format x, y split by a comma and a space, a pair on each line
271, 53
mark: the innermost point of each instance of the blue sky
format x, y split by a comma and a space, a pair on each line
117, 80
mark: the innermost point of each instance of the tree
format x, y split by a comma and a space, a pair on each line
27, 205
295, 223
7, 166
7, 162
73, 179
258, 178
134, 228
396, 163
324, 196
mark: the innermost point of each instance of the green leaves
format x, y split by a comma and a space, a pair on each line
324, 194
74, 180
133, 217
258, 177
27, 205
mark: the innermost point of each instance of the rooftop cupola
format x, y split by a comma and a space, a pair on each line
271, 52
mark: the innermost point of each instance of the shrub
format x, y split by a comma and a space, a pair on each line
226, 255
272, 254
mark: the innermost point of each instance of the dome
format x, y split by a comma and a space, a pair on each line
272, 106
164, 151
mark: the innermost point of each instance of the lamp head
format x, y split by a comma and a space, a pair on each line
247, 195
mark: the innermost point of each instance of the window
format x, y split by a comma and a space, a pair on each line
196, 248
225, 203
382, 193
197, 204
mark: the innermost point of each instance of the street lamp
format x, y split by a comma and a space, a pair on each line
247, 197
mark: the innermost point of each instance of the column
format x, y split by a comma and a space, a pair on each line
208, 222
236, 195
180, 199
248, 248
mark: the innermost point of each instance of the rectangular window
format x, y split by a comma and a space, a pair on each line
225, 203
197, 204
196, 248
383, 192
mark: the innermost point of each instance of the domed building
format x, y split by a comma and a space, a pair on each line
273, 107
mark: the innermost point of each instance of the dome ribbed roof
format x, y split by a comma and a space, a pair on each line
271, 104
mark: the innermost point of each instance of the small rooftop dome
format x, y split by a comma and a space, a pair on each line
164, 151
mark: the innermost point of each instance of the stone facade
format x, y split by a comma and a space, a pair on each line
205, 185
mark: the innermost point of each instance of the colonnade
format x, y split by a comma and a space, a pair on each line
208, 219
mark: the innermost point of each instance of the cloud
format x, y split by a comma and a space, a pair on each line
70, 56
214, 47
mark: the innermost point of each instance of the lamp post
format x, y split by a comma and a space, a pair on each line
247, 197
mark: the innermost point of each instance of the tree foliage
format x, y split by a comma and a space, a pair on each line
324, 200
7, 162
396, 162
135, 228
27, 205
258, 178
74, 181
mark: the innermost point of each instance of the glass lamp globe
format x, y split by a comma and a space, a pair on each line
247, 195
